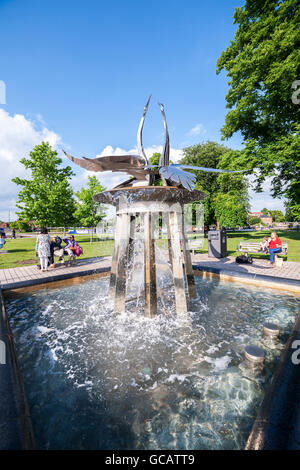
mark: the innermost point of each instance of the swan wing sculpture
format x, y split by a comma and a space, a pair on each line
139, 167
178, 177
135, 165
173, 173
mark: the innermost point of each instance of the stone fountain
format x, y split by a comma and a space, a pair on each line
146, 203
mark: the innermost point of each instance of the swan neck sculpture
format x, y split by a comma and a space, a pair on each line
139, 167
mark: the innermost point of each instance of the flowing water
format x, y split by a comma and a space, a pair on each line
99, 381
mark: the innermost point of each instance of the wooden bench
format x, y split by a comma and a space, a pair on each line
254, 247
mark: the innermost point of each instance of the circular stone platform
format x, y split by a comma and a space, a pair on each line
164, 194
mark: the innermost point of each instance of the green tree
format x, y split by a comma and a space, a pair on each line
277, 216
292, 211
262, 63
265, 211
154, 160
254, 220
21, 225
46, 198
209, 154
229, 210
231, 203
88, 212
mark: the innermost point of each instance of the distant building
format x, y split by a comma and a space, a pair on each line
266, 219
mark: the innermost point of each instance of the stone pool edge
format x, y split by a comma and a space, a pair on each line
277, 424
270, 282
272, 429
16, 431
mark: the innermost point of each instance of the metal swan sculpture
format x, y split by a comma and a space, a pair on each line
138, 165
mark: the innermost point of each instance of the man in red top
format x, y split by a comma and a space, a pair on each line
275, 245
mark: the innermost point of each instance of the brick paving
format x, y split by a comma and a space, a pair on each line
14, 278
260, 269
289, 270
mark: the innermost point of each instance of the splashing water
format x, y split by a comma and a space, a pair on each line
99, 381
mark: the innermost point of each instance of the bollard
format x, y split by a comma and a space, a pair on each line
271, 330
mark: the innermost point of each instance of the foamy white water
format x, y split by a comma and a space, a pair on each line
99, 381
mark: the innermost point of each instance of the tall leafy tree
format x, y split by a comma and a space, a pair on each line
231, 202
221, 189
277, 215
263, 64
154, 160
47, 197
88, 212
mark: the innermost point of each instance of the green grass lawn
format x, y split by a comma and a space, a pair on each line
21, 250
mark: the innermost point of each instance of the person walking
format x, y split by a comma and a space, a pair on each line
275, 246
43, 248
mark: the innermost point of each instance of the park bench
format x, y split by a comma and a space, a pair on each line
195, 244
254, 247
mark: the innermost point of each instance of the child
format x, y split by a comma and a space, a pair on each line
264, 245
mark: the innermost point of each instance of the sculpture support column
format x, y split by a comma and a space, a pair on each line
114, 261
169, 240
178, 272
132, 219
188, 263
138, 209
121, 270
149, 267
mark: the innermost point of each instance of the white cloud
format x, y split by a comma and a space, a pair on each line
198, 129
264, 199
18, 136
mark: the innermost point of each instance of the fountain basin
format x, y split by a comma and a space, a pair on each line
99, 381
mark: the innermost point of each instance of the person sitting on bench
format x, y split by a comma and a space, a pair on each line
275, 246
70, 249
56, 250
264, 245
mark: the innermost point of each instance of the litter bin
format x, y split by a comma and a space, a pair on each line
217, 243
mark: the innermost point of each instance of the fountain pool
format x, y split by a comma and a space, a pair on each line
95, 380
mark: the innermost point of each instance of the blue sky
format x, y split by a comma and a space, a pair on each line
82, 71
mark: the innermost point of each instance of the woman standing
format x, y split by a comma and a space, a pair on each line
43, 248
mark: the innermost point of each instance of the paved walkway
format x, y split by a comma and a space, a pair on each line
14, 278
289, 273
289, 270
